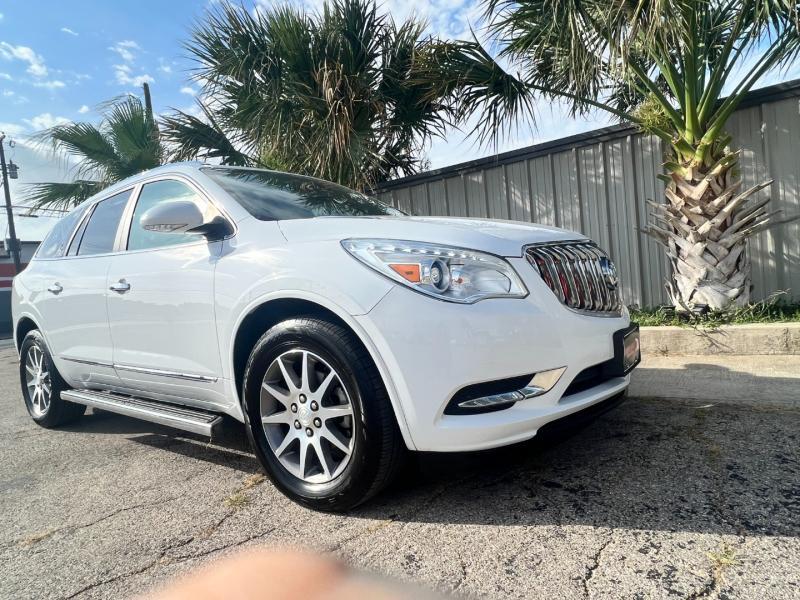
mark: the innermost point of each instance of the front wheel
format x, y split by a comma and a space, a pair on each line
318, 415
42, 385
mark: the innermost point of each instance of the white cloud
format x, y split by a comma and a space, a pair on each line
12, 129
446, 18
189, 91
5, 76
1, 16
83, 109
69, 31
8, 93
50, 85
46, 121
36, 66
126, 49
125, 77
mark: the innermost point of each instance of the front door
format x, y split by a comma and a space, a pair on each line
73, 305
161, 306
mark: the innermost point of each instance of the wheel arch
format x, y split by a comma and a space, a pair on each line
270, 312
23, 326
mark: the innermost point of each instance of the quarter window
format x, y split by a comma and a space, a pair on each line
101, 230
153, 194
56, 241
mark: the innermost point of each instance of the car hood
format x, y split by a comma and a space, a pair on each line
504, 238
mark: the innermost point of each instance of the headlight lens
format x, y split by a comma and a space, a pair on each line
444, 272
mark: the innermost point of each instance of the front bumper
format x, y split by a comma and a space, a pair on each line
431, 349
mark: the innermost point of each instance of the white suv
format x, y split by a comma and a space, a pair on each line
338, 330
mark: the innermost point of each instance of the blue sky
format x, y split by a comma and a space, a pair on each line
60, 60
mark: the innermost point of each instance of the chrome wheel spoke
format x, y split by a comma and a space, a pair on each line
290, 437
324, 459
304, 372
319, 393
335, 440
284, 418
280, 396
289, 399
291, 385
334, 412
303, 457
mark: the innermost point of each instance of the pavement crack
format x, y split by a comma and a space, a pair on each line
36, 538
593, 566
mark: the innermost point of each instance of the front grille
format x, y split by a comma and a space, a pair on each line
580, 275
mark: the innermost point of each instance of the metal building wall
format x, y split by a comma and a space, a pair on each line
599, 184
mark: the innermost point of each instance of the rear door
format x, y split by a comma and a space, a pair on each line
73, 305
161, 307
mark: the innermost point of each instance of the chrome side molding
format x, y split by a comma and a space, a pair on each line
158, 372
163, 373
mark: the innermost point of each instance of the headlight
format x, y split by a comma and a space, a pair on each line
444, 272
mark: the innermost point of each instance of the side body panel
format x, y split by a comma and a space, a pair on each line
163, 328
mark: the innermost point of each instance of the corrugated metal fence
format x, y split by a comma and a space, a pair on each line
598, 183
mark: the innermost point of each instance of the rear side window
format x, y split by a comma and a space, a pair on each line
101, 230
56, 241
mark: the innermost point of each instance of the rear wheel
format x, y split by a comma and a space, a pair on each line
42, 385
318, 415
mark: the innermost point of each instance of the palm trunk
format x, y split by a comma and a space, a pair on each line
704, 225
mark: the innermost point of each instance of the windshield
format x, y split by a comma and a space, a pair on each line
275, 196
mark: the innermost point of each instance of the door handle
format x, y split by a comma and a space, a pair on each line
120, 287
56, 288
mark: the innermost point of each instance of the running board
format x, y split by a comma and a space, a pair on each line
179, 417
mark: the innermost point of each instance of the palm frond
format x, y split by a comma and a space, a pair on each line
61, 195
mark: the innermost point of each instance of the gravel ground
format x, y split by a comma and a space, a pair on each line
659, 498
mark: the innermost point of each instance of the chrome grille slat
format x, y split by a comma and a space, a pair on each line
578, 274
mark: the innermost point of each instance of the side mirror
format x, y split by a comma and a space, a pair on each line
183, 216
177, 216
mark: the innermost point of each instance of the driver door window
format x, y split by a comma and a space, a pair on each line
156, 193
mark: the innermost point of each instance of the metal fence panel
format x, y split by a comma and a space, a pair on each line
600, 183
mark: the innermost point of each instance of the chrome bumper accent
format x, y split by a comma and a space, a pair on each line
541, 383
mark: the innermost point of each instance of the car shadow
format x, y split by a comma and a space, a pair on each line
674, 465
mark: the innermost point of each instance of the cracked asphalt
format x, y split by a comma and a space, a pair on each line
658, 498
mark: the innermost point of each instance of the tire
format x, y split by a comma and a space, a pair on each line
375, 443
46, 409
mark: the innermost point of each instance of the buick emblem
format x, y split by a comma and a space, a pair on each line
609, 272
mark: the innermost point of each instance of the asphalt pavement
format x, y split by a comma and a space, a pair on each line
689, 496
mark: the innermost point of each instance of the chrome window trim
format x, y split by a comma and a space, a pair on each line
120, 244
88, 211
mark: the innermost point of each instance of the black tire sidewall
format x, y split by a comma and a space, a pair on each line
56, 412
326, 340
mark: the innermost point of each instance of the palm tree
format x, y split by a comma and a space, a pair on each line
126, 142
339, 94
663, 65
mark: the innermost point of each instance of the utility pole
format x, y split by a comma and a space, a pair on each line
12, 232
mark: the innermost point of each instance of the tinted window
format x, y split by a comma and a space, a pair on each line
156, 193
101, 230
56, 241
274, 196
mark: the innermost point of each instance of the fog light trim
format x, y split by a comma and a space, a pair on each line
541, 383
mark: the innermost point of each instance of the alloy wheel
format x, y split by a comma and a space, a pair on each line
37, 380
307, 416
